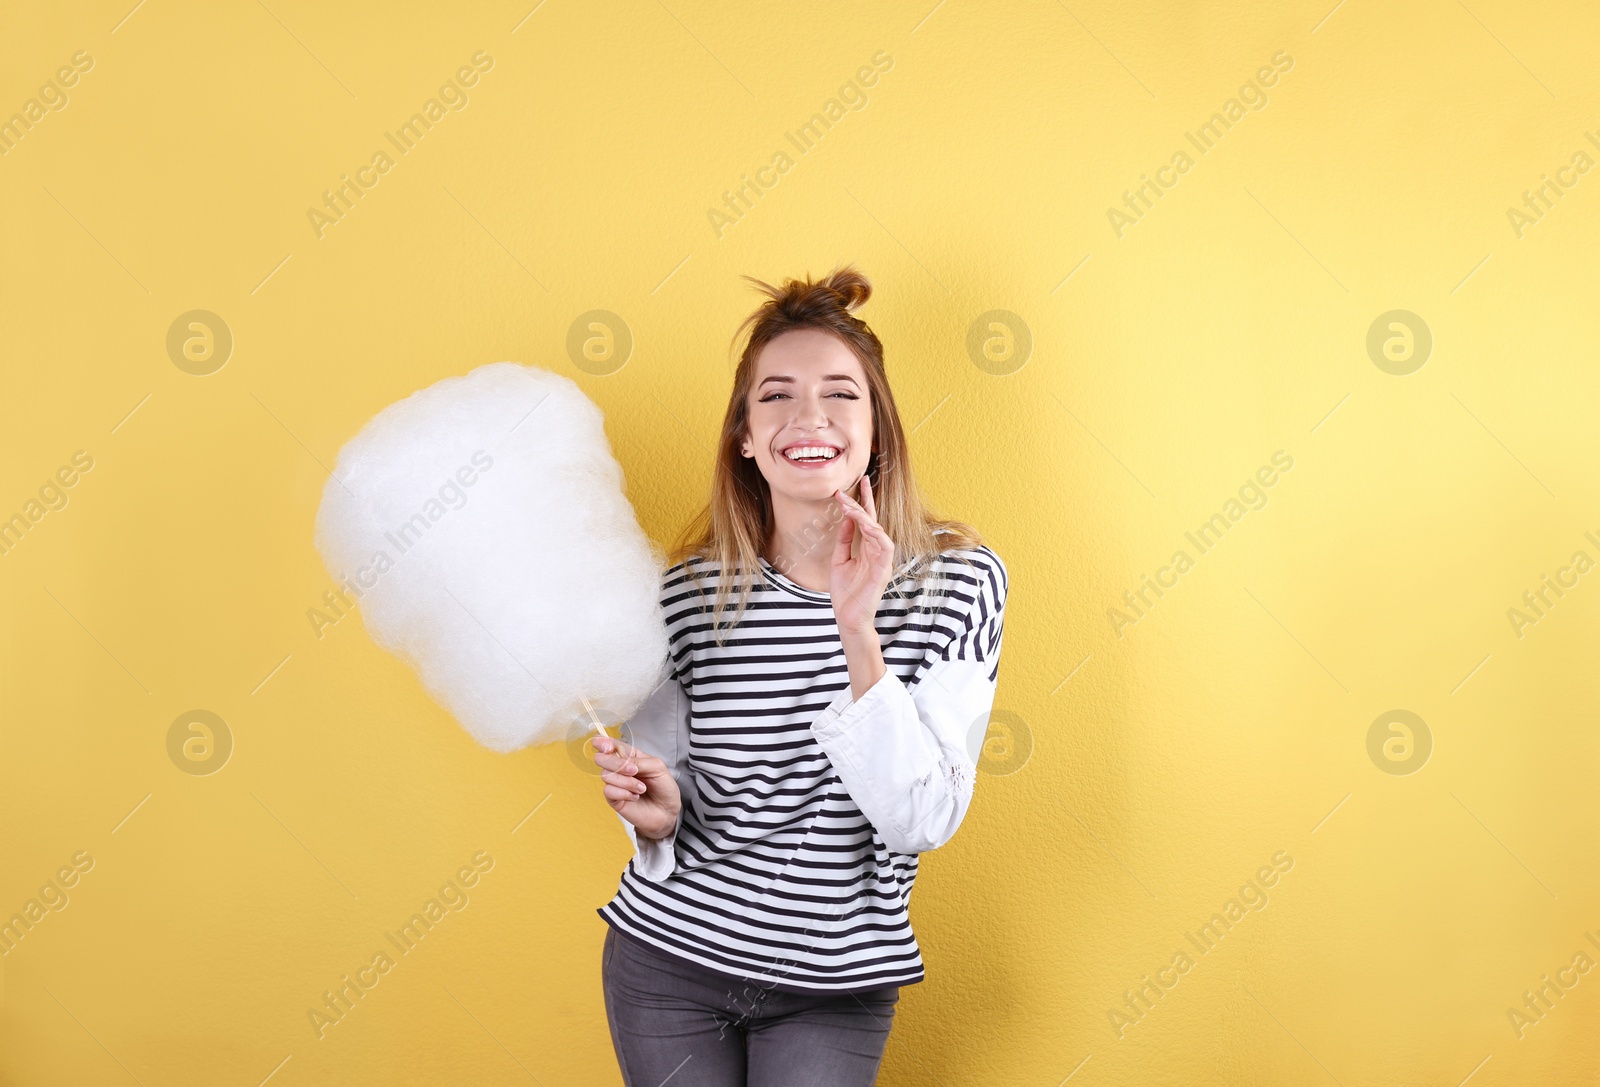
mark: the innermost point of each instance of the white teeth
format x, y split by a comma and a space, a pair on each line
811, 452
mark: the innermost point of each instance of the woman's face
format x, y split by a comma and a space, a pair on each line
809, 393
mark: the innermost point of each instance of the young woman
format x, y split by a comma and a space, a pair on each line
805, 746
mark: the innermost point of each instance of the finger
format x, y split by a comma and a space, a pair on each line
854, 512
873, 529
612, 745
644, 765
877, 555
881, 537
617, 762
854, 507
868, 526
862, 517
626, 782
841, 544
616, 794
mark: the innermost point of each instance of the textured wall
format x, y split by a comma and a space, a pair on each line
1351, 729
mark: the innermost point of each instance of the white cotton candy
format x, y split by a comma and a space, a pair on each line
515, 597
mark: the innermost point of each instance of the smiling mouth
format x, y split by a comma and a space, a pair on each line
810, 454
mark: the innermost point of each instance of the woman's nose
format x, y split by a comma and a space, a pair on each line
810, 411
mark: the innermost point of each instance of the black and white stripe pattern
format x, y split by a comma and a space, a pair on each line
776, 874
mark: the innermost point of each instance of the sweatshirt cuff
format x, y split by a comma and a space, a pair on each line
843, 712
653, 858
873, 727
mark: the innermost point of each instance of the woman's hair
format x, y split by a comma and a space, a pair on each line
734, 528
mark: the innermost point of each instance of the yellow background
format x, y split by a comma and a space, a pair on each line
1229, 723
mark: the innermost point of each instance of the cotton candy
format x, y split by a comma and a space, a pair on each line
482, 525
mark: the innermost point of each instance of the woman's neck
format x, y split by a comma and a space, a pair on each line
804, 536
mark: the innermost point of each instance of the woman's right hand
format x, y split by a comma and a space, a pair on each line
639, 787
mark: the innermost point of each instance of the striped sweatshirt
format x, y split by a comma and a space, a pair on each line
804, 810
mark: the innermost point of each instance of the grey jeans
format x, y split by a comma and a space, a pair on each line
673, 1020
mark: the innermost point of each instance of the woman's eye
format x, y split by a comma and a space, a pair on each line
773, 396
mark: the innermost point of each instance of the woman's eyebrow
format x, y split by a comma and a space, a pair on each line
789, 380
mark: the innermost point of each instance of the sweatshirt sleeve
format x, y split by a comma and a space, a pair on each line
908, 756
660, 727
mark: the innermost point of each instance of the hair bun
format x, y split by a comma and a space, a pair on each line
851, 287
844, 288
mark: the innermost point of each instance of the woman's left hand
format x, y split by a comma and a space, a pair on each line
856, 584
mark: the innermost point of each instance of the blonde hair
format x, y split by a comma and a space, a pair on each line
736, 525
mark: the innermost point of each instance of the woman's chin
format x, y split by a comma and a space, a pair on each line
814, 487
